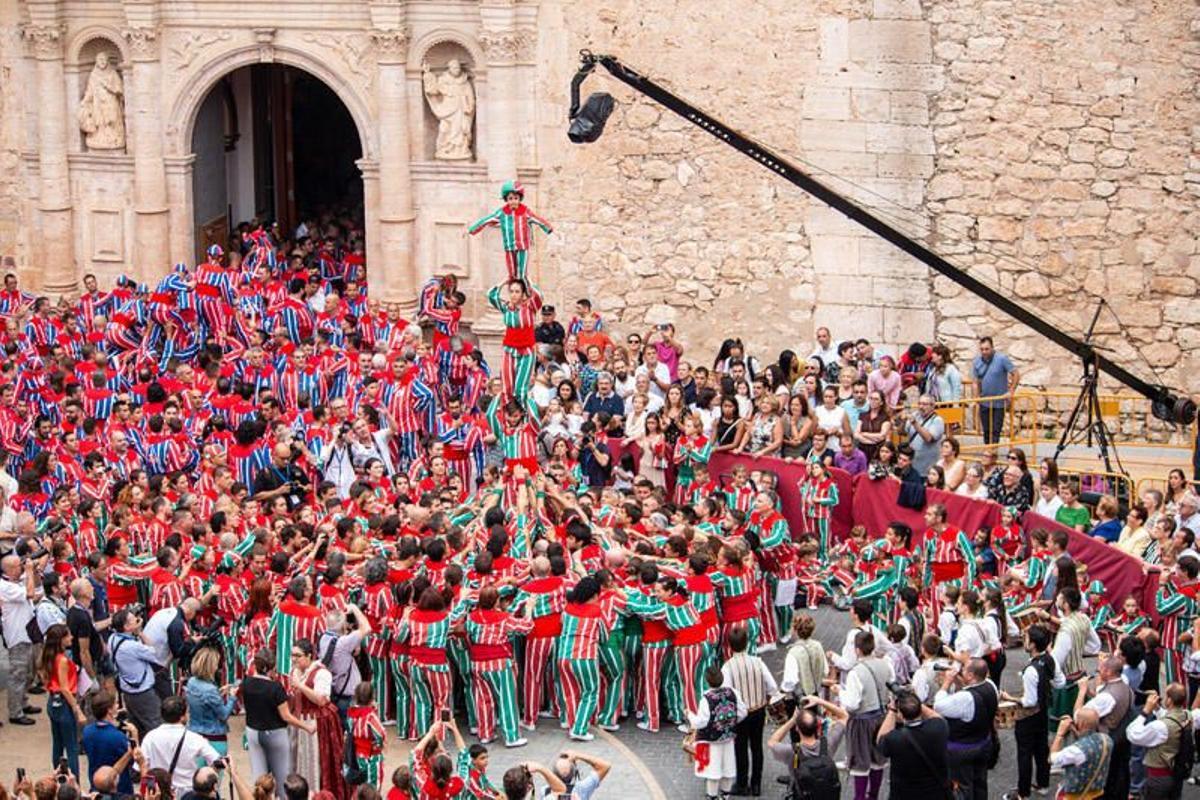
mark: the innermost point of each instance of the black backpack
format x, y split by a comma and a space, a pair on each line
1185, 758
815, 777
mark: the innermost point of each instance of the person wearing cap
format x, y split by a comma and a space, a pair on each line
516, 221
1101, 612
549, 330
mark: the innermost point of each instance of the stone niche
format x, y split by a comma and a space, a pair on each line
77, 71
438, 57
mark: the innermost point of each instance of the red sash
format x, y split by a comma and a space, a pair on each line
489, 652
948, 570
163, 298
207, 290
519, 338
736, 609
530, 465
428, 656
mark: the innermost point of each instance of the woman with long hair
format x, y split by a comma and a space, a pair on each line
672, 414
874, 425
943, 381
268, 716
798, 427
831, 417
318, 755
1177, 487
209, 704
60, 676
728, 430
259, 608
656, 452
935, 478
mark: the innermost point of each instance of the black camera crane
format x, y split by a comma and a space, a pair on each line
587, 123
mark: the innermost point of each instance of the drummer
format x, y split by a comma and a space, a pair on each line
1038, 677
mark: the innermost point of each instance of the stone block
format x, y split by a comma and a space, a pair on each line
896, 9
907, 139
820, 219
847, 320
833, 37
904, 165
832, 135
902, 326
846, 289
846, 164
871, 105
902, 292
1182, 311
835, 255
825, 103
999, 229
890, 40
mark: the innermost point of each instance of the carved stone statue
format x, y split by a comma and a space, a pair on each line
452, 99
102, 110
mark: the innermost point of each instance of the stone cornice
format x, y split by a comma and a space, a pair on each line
511, 46
45, 42
143, 43
391, 45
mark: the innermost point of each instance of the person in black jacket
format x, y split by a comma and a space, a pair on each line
913, 737
1033, 746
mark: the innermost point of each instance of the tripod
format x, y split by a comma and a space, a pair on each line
1087, 406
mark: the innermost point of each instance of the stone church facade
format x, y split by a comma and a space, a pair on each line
1053, 149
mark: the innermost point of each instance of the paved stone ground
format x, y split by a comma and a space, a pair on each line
659, 753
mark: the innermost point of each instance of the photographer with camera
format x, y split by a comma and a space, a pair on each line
136, 663
18, 591
913, 737
282, 478
110, 742
800, 744
518, 781
169, 634
566, 768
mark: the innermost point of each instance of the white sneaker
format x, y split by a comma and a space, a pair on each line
645, 726
530, 728
785, 639
841, 765
683, 727
766, 648
517, 742
546, 715
563, 725
583, 737
610, 728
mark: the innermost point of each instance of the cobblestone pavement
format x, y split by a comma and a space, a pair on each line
659, 754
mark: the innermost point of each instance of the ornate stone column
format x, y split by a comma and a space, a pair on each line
54, 257
393, 273
151, 218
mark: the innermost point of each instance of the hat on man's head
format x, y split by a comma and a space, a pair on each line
547, 310
512, 187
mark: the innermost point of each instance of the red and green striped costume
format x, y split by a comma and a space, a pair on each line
427, 634
949, 558
369, 738
493, 675
549, 598
737, 603
292, 622
685, 669
377, 607
516, 234
578, 646
516, 370
817, 499
1176, 604
690, 452
777, 556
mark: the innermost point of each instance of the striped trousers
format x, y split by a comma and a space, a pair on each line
537, 657
431, 685
407, 443
581, 691
752, 631
515, 261
685, 673
612, 676
516, 373
783, 614
457, 650
768, 633
633, 661
494, 686
381, 682
821, 528
402, 681
372, 767
654, 659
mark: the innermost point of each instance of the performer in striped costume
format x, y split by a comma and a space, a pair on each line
818, 496
368, 733
777, 557
656, 644
294, 619
427, 631
737, 597
949, 557
520, 315
689, 636
493, 674
377, 607
1177, 604
516, 221
692, 450
583, 631
546, 594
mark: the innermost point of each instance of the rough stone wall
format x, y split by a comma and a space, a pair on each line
1053, 148
1068, 170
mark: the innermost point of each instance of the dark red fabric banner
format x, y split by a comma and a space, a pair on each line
1121, 574
875, 507
790, 474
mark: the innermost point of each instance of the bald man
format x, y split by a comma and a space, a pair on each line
969, 701
281, 478
19, 590
1085, 762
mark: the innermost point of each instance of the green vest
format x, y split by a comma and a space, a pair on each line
1091, 774
1163, 756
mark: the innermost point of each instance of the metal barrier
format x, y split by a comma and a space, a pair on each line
964, 418
1100, 482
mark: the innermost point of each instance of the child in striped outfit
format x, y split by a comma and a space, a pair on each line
368, 733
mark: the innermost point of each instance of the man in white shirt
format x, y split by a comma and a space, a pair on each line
171, 746
971, 714
1189, 513
1084, 763
18, 592
826, 348
659, 374
749, 677
860, 620
1160, 734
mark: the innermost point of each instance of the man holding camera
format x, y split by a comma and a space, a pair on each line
136, 663
168, 633
110, 741
566, 768
18, 592
913, 738
281, 478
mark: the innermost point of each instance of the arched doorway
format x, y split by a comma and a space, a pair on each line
272, 142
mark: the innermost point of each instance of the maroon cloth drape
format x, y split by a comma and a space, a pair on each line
875, 506
790, 475
1121, 574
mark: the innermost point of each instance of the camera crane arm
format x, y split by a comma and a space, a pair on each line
1166, 405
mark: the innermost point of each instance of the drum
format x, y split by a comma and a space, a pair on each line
1008, 712
1025, 618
